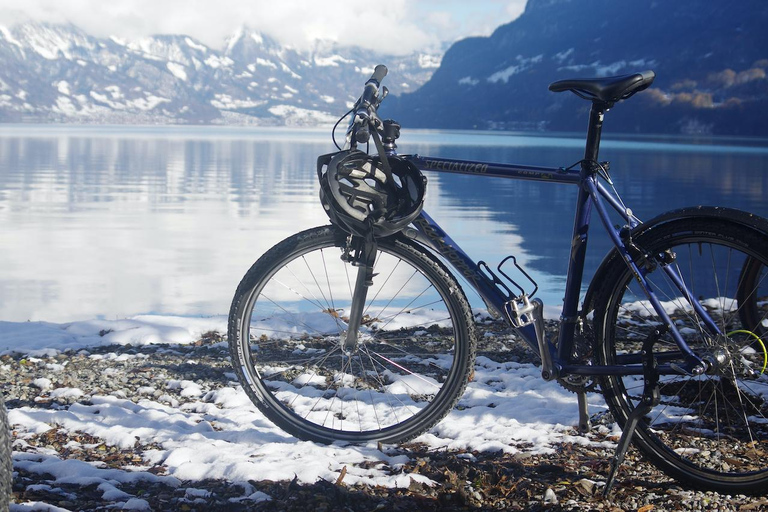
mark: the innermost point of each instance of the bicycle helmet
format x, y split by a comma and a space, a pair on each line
364, 196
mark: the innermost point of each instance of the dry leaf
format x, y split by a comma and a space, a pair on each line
342, 474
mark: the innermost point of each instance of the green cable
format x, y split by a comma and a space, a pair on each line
765, 352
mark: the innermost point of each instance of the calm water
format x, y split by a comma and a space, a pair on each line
112, 222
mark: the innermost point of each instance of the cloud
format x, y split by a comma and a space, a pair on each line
397, 26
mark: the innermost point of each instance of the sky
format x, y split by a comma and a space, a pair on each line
395, 26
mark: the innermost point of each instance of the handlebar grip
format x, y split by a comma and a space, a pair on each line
379, 73
372, 85
367, 104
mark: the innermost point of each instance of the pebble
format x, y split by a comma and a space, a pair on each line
141, 372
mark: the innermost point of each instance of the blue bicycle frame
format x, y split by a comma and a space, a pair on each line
556, 358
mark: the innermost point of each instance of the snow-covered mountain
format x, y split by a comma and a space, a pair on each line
710, 59
58, 73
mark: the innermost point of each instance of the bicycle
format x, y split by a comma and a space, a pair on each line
346, 333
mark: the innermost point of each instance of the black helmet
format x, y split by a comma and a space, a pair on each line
360, 194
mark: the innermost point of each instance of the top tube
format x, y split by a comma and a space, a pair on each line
495, 170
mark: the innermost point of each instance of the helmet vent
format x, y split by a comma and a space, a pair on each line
360, 196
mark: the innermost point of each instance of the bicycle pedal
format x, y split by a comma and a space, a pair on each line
521, 311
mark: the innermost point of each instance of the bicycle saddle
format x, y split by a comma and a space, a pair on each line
606, 90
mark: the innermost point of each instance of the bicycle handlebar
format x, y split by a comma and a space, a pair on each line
365, 110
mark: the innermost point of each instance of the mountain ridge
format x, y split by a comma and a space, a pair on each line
59, 73
710, 57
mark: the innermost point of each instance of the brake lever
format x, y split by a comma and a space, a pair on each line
365, 110
384, 94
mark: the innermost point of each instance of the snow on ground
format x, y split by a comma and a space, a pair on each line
38, 338
219, 434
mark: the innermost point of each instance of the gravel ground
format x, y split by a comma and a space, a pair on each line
570, 479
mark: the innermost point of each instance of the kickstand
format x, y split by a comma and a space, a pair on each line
650, 400
584, 424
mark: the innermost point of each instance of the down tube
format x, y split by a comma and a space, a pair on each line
439, 240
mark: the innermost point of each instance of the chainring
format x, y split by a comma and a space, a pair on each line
583, 354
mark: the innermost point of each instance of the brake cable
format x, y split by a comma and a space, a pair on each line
333, 131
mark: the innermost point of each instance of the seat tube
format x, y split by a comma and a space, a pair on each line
580, 235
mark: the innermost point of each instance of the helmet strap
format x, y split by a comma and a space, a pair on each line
382, 156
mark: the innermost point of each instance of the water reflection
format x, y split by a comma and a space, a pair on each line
108, 226
116, 222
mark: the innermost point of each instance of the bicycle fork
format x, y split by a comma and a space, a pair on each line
363, 258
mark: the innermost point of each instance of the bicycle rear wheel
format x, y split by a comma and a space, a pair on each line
415, 344
711, 430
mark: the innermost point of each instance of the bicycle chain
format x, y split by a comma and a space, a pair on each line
661, 402
583, 354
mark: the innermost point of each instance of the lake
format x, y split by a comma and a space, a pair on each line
110, 222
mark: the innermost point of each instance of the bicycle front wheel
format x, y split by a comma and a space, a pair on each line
710, 430
288, 323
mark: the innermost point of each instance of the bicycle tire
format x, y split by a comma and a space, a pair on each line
6, 461
708, 431
750, 314
413, 360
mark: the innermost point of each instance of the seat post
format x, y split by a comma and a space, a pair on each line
595, 129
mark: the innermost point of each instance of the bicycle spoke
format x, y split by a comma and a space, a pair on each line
402, 364
381, 287
292, 315
713, 426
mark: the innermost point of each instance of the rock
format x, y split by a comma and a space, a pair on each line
585, 487
550, 496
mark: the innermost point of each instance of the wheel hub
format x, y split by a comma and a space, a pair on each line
734, 355
718, 361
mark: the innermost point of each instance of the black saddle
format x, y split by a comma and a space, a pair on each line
608, 90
